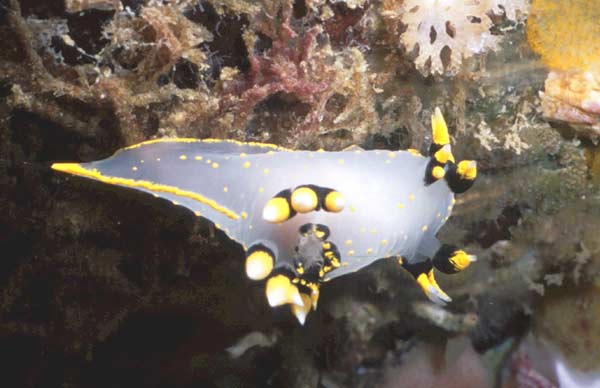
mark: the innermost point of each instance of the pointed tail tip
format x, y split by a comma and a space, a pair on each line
71, 168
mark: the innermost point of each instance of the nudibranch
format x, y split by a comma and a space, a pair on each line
306, 217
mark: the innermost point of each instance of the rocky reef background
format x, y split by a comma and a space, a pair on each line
107, 287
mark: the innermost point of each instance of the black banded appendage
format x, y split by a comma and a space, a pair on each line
303, 199
440, 152
461, 177
450, 259
423, 274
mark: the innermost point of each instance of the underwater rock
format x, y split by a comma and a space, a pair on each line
568, 320
573, 99
565, 34
425, 366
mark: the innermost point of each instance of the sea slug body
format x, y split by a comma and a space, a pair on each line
306, 217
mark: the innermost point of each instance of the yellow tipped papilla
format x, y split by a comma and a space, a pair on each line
304, 200
259, 265
276, 210
444, 154
439, 128
321, 232
301, 312
431, 288
334, 202
461, 260
438, 172
467, 169
280, 291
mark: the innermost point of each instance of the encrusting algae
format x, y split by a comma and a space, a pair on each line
565, 36
565, 33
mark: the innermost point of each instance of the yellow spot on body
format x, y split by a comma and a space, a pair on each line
266, 170
261, 189
77, 169
413, 151
400, 206
392, 155
453, 201
449, 207
218, 226
182, 157
384, 242
198, 157
175, 203
400, 261
243, 155
369, 251
363, 230
208, 161
424, 228
270, 153
411, 197
348, 242
134, 168
320, 150
246, 164
197, 213
215, 165
225, 189
350, 253
358, 152
373, 231
352, 209
244, 215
